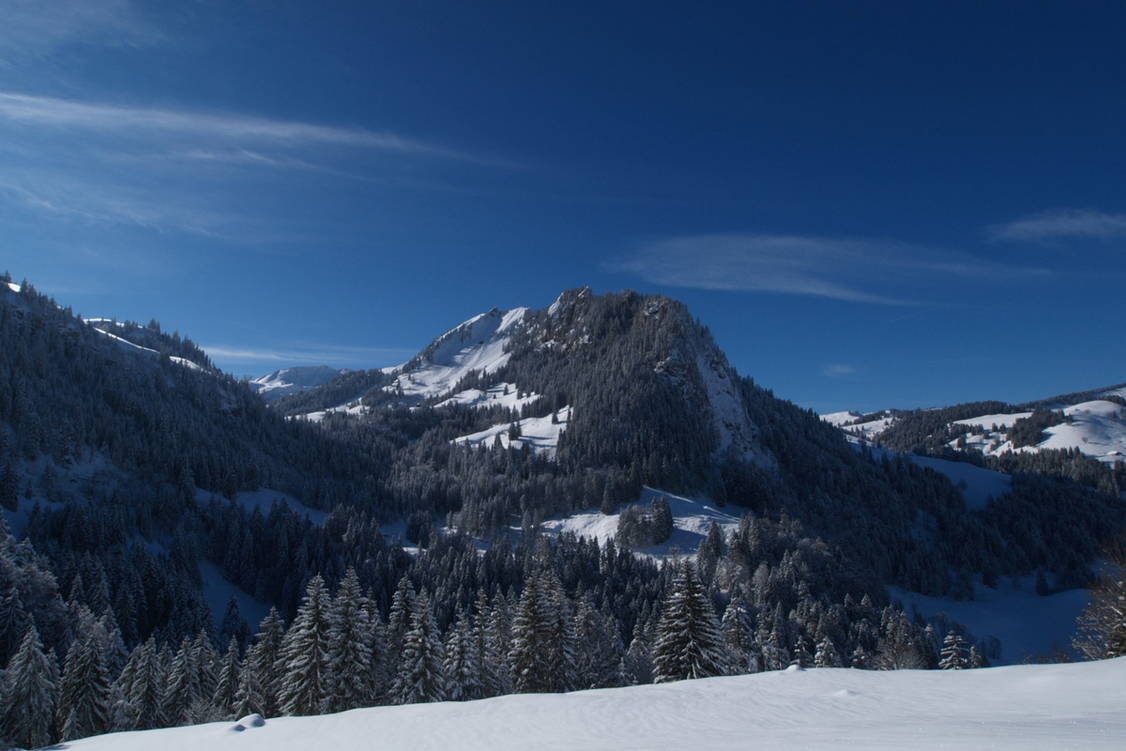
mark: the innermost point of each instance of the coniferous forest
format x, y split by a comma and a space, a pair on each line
410, 567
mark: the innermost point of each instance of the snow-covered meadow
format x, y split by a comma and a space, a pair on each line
1023, 708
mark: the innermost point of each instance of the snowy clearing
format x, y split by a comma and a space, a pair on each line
976, 484
691, 521
1018, 708
264, 499
540, 433
505, 395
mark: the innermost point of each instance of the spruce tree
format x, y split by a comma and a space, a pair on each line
84, 696
349, 647
227, 681
306, 681
463, 662
953, 655
531, 656
421, 676
145, 692
261, 672
689, 642
30, 692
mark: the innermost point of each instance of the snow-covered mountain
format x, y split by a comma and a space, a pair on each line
1022, 708
293, 380
467, 366
1091, 422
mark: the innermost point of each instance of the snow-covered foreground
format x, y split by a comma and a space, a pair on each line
1075, 706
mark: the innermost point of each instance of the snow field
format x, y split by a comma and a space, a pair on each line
1025, 708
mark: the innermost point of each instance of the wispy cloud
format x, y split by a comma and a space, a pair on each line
838, 370
229, 127
327, 354
1063, 223
861, 271
33, 28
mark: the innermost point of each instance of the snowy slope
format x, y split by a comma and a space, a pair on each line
292, 380
976, 484
1097, 428
1019, 708
691, 521
478, 344
1027, 625
506, 395
100, 324
540, 433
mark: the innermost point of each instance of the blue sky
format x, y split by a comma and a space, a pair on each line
871, 204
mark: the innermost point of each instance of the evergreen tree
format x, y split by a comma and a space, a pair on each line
349, 647
262, 671
531, 656
306, 683
145, 692
953, 655
463, 662
826, 655
84, 696
227, 681
421, 676
689, 642
30, 688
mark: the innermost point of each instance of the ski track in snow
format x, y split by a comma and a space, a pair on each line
1017, 708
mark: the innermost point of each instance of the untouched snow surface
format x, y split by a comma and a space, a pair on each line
505, 395
977, 484
1097, 428
293, 380
478, 344
1028, 625
540, 433
1018, 708
691, 521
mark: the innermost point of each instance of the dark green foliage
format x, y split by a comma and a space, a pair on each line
1029, 431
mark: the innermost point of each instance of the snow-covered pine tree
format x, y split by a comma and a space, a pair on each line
145, 693
532, 654
30, 689
398, 622
182, 689
826, 655
498, 645
349, 647
463, 663
84, 695
598, 652
13, 620
561, 642
738, 633
487, 679
305, 684
262, 670
421, 677
379, 680
689, 642
953, 655
227, 681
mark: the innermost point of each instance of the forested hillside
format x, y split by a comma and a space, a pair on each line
130, 473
